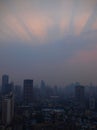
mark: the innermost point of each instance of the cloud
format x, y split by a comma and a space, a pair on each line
80, 22
62, 36
28, 20
94, 26
93, 16
15, 28
85, 57
38, 25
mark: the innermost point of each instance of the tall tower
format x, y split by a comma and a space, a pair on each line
5, 82
28, 91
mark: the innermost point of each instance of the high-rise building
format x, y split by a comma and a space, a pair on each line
18, 93
91, 103
43, 89
0, 101
80, 95
42, 85
5, 82
28, 91
91, 97
7, 109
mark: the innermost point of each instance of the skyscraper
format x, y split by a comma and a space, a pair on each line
28, 91
5, 82
80, 95
91, 103
92, 97
7, 109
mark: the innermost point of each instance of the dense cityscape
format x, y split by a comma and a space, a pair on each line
42, 107
48, 64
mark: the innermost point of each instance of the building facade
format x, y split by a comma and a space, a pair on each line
80, 96
28, 91
5, 82
7, 109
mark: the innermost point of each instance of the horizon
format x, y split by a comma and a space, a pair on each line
38, 84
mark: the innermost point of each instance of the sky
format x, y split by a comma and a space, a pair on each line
53, 40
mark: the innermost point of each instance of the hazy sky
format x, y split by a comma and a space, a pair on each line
54, 40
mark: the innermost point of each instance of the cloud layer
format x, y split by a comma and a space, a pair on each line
52, 40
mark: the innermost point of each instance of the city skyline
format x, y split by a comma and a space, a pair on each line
51, 40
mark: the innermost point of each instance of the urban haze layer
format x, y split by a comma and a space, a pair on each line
42, 107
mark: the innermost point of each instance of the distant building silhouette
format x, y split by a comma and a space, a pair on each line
43, 88
5, 82
80, 95
42, 85
28, 91
7, 109
18, 93
91, 103
92, 97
